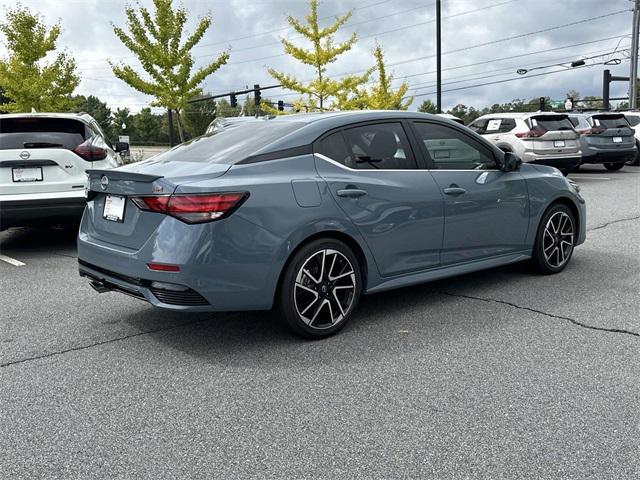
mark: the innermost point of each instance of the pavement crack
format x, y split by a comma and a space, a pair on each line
97, 344
550, 315
605, 225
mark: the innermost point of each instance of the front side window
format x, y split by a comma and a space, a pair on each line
381, 146
450, 149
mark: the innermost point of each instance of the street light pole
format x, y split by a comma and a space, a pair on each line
633, 77
439, 59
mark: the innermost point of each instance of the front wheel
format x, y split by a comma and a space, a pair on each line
613, 166
555, 240
320, 288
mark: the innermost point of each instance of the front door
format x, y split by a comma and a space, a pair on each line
486, 209
397, 207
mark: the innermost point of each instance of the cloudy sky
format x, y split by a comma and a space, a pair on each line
483, 41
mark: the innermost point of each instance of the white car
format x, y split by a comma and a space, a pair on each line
634, 120
43, 162
545, 138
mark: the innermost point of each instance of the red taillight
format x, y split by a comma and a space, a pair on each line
592, 131
193, 208
530, 134
163, 267
88, 151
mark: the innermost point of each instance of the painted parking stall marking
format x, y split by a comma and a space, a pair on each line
12, 261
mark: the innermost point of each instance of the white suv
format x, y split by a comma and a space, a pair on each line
544, 138
633, 117
43, 160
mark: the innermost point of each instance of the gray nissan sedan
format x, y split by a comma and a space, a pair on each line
307, 212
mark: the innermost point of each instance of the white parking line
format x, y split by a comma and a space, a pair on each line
12, 261
590, 177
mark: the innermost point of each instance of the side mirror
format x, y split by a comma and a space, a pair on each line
510, 162
121, 147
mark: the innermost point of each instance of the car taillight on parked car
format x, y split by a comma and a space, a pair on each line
193, 208
530, 134
90, 152
592, 131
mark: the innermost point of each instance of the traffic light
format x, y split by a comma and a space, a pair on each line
256, 94
233, 101
542, 103
281, 105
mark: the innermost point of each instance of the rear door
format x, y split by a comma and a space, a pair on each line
615, 131
486, 209
372, 174
36, 155
555, 135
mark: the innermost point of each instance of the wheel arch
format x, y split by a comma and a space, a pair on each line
352, 243
570, 204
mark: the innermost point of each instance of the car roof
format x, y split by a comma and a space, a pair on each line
75, 116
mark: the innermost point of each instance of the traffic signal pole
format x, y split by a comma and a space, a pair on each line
439, 59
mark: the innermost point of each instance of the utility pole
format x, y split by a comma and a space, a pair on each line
633, 77
439, 58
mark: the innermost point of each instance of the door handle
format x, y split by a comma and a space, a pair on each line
454, 191
351, 192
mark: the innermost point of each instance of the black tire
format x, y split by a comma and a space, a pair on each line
304, 277
613, 166
575, 169
565, 171
550, 263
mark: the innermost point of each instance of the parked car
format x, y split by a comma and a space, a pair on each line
633, 117
307, 212
605, 138
43, 162
545, 138
226, 122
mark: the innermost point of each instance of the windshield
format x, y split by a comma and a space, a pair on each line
230, 145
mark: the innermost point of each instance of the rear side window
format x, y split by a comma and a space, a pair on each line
38, 132
633, 120
381, 146
549, 123
574, 121
610, 121
500, 125
333, 146
230, 145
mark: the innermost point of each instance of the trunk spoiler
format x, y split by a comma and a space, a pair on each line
124, 175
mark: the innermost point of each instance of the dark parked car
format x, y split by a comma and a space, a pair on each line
307, 212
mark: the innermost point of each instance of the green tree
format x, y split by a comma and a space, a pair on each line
123, 124
324, 51
96, 108
168, 61
380, 96
224, 109
147, 126
27, 79
198, 116
428, 106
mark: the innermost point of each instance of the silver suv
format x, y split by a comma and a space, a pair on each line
605, 138
544, 138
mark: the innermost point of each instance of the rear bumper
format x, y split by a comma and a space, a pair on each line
558, 162
16, 210
610, 156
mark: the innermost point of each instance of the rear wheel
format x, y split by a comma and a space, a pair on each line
636, 161
320, 288
613, 166
555, 240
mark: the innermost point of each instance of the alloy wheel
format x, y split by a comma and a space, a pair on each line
324, 289
558, 239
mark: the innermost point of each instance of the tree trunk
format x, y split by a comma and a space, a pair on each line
179, 122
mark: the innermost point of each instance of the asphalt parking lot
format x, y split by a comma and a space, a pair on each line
498, 374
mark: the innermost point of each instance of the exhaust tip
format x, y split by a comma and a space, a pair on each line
99, 287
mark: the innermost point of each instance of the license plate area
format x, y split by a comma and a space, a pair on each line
558, 143
26, 174
617, 139
114, 208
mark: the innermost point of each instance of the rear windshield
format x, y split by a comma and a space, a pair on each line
549, 123
231, 145
633, 120
37, 132
610, 121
